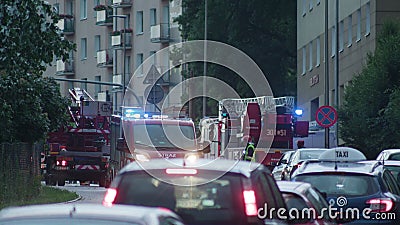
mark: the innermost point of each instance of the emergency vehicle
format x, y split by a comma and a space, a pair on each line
80, 151
269, 121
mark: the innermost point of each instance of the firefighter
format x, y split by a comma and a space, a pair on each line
249, 151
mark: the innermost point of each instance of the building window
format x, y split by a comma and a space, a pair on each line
84, 85
311, 5
139, 22
333, 41
350, 31
314, 108
304, 60
318, 53
341, 36
304, 7
139, 61
127, 21
153, 17
97, 45
367, 19
83, 9
95, 3
97, 88
83, 48
311, 55
358, 24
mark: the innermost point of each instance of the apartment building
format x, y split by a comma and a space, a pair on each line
359, 22
113, 38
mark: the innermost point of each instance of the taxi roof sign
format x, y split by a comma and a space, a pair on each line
341, 154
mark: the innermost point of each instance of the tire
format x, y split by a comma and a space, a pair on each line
50, 182
61, 182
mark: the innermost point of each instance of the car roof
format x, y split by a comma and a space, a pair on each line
86, 210
366, 167
232, 166
392, 150
310, 149
293, 186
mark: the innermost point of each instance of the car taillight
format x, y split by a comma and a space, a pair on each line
250, 203
62, 163
380, 204
109, 197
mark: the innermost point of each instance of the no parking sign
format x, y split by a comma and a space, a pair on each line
326, 116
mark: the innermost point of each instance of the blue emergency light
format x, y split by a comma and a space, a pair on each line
298, 112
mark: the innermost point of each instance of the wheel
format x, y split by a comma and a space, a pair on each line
50, 182
61, 182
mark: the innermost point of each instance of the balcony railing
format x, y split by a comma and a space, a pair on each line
64, 68
118, 42
105, 58
66, 24
121, 3
104, 17
160, 33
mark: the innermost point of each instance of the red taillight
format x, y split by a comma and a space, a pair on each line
109, 197
380, 204
62, 163
250, 202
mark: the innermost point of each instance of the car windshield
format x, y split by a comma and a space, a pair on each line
202, 204
342, 184
310, 154
164, 135
66, 221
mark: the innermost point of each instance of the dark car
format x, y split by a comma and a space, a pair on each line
361, 192
201, 192
277, 172
87, 214
298, 157
302, 198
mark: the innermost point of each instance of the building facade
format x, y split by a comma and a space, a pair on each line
358, 22
113, 38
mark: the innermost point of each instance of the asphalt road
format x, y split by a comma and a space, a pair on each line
88, 193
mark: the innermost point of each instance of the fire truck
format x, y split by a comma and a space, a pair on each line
81, 150
269, 121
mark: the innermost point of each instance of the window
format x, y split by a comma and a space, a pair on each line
97, 45
311, 56
367, 19
304, 60
139, 61
84, 85
314, 108
153, 17
83, 48
83, 9
318, 53
311, 4
341, 36
127, 65
333, 41
349, 31
97, 86
95, 3
358, 25
139, 22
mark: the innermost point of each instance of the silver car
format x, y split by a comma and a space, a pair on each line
278, 171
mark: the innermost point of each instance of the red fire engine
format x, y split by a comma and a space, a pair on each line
270, 122
80, 151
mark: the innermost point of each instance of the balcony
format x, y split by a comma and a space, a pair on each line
160, 33
66, 24
104, 58
118, 42
103, 15
117, 79
65, 68
122, 3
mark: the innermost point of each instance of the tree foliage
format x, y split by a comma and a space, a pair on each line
369, 117
30, 105
264, 30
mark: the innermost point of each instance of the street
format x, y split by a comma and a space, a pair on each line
89, 194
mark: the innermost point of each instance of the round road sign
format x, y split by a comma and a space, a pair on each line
326, 116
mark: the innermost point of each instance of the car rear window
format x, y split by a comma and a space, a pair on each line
342, 184
66, 221
311, 154
216, 200
394, 156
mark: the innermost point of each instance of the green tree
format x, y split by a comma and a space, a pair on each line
264, 30
30, 105
369, 116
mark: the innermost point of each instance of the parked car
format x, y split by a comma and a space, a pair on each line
389, 154
87, 214
201, 192
299, 156
277, 172
301, 197
366, 189
394, 167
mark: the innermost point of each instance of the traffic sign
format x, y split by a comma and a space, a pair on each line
326, 116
